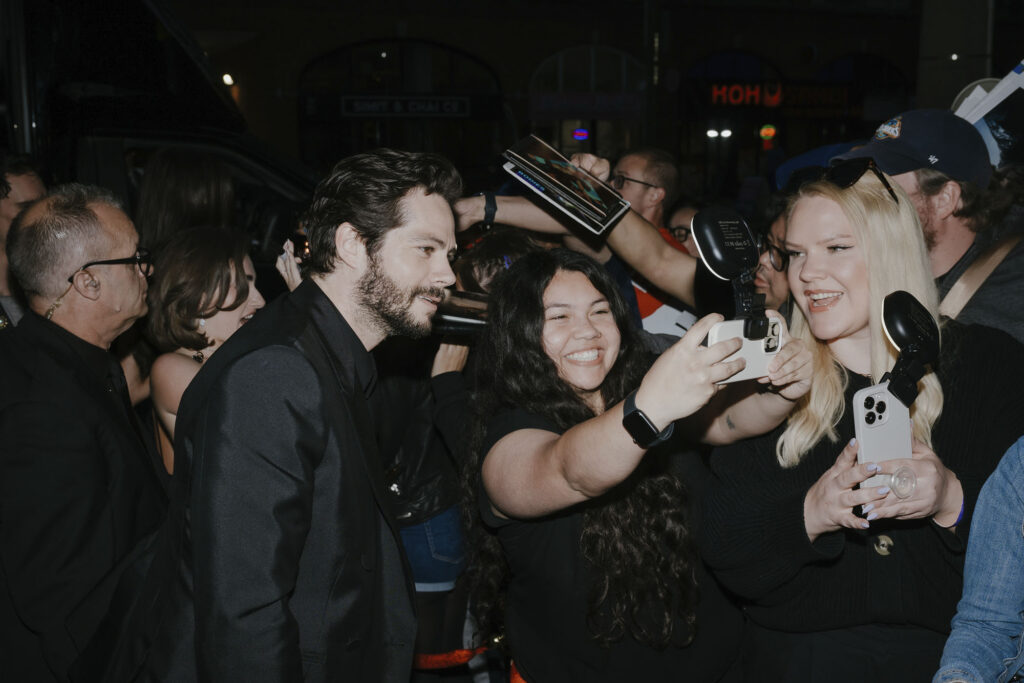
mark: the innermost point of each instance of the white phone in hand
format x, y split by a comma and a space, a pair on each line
882, 427
757, 352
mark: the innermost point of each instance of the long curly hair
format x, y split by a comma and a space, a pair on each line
636, 537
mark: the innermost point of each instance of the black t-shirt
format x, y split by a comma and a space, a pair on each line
547, 602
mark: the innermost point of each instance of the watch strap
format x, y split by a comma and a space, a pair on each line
644, 432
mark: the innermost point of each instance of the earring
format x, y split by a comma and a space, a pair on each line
202, 322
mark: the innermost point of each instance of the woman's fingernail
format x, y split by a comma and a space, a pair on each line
883, 491
865, 509
873, 516
873, 467
865, 525
853, 441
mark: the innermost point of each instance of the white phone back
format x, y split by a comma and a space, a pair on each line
757, 352
881, 435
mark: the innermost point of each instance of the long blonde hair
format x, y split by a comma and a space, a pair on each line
890, 238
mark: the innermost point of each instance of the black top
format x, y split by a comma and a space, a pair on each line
547, 602
898, 572
78, 499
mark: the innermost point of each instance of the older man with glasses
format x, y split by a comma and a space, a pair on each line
79, 495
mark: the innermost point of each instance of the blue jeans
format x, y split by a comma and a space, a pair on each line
435, 551
987, 633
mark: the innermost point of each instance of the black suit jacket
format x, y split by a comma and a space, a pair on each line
78, 497
279, 562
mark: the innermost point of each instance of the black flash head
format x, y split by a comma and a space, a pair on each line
915, 334
727, 247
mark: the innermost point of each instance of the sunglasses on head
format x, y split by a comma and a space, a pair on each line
846, 173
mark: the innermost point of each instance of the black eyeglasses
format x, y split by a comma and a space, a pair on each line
777, 256
846, 173
142, 260
680, 232
618, 180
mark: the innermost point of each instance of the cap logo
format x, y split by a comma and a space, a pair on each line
890, 129
932, 159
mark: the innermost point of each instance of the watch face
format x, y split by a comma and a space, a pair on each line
640, 428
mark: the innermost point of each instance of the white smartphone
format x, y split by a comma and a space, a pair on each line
882, 427
757, 352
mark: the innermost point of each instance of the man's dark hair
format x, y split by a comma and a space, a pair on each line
630, 594
661, 170
365, 190
44, 252
979, 208
192, 279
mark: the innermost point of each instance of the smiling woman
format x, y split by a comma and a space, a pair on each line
203, 290
846, 582
583, 539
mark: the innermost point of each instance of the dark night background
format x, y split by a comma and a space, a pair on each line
315, 80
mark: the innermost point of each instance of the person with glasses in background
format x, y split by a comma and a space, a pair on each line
843, 581
79, 493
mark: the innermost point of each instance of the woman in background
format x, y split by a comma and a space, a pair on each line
203, 290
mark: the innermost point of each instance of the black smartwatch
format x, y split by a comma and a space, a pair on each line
640, 427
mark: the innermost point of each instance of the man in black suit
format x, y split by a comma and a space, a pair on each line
78, 493
280, 562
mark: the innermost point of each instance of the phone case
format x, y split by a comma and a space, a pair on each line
883, 428
757, 352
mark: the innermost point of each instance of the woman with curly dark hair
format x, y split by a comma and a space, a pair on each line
584, 555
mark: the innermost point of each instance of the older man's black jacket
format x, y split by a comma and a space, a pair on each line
278, 562
79, 498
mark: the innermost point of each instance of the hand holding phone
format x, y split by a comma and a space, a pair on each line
756, 352
883, 428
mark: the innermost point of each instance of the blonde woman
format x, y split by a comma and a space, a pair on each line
842, 582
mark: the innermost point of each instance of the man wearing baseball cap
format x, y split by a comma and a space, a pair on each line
940, 160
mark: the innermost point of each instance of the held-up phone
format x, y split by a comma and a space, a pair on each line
727, 247
881, 412
757, 352
883, 429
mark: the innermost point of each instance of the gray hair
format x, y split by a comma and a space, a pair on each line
44, 252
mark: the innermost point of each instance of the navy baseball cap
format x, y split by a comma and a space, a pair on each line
928, 138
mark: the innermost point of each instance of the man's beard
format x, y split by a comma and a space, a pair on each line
388, 305
926, 214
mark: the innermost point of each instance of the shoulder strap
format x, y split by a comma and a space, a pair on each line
975, 275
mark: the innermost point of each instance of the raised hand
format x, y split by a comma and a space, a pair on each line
789, 373
592, 164
686, 375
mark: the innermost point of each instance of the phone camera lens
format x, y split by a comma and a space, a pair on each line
880, 407
869, 403
869, 418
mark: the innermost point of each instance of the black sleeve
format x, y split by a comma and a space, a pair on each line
451, 408
982, 377
498, 427
753, 534
56, 520
251, 511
